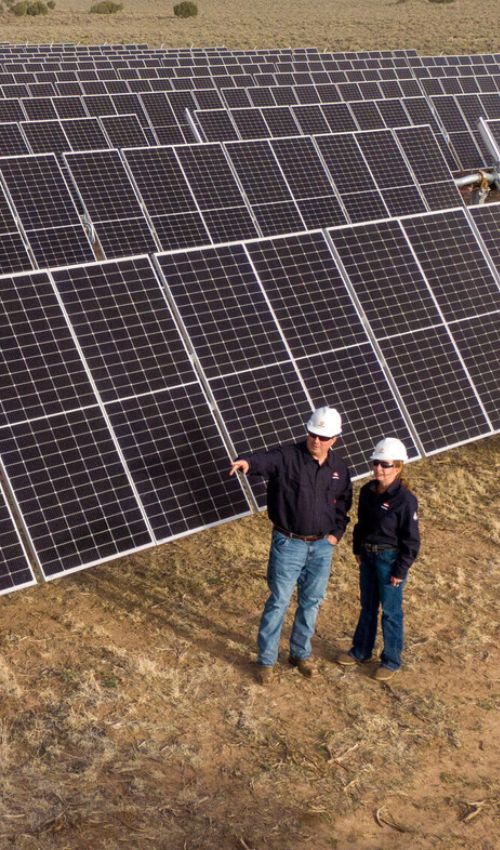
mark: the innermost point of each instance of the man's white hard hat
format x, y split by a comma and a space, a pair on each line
390, 448
325, 422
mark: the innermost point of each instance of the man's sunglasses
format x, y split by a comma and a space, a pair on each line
319, 437
383, 463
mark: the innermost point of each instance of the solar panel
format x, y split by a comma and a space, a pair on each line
393, 113
38, 190
307, 293
385, 160
249, 123
39, 108
41, 369
310, 119
216, 192
72, 490
12, 141
486, 218
44, 204
216, 125
302, 167
385, 277
124, 327
223, 309
15, 570
123, 131
178, 460
478, 341
111, 202
99, 104
429, 167
84, 134
454, 264
280, 121
262, 407
69, 107
45, 136
352, 381
435, 388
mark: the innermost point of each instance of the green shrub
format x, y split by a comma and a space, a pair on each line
107, 7
186, 9
37, 8
51, 4
20, 9
25, 7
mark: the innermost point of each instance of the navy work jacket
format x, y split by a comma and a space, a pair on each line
389, 519
302, 496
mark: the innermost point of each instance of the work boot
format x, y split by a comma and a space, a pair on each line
383, 674
347, 660
305, 666
264, 674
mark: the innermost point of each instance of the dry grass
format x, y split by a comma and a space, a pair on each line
130, 717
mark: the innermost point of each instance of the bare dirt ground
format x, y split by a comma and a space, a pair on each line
130, 716
463, 26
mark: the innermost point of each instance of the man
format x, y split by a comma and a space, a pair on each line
309, 494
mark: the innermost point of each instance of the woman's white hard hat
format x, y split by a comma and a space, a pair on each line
390, 448
325, 422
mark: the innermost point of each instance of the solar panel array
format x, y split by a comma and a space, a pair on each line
218, 314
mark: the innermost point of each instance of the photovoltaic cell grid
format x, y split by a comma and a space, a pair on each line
15, 570
112, 205
167, 197
409, 329
216, 192
66, 474
454, 265
239, 346
326, 336
143, 374
46, 209
41, 369
487, 220
265, 187
72, 490
13, 253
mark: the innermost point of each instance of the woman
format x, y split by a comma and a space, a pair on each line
385, 542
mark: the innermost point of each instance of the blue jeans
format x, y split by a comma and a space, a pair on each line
293, 562
374, 582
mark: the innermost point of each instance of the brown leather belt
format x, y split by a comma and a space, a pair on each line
378, 547
306, 538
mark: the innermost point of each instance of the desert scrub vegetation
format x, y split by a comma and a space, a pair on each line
27, 8
186, 9
107, 7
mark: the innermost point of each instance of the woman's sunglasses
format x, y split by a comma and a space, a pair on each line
383, 463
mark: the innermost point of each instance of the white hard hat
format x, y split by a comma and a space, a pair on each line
325, 422
390, 448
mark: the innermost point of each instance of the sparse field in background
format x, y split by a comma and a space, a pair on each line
129, 717
464, 26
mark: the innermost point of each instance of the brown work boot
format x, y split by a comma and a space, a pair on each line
264, 674
346, 659
305, 666
383, 674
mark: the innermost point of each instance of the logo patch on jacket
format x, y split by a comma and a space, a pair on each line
386, 506
335, 475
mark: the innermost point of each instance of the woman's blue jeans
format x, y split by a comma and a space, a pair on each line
376, 590
293, 562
